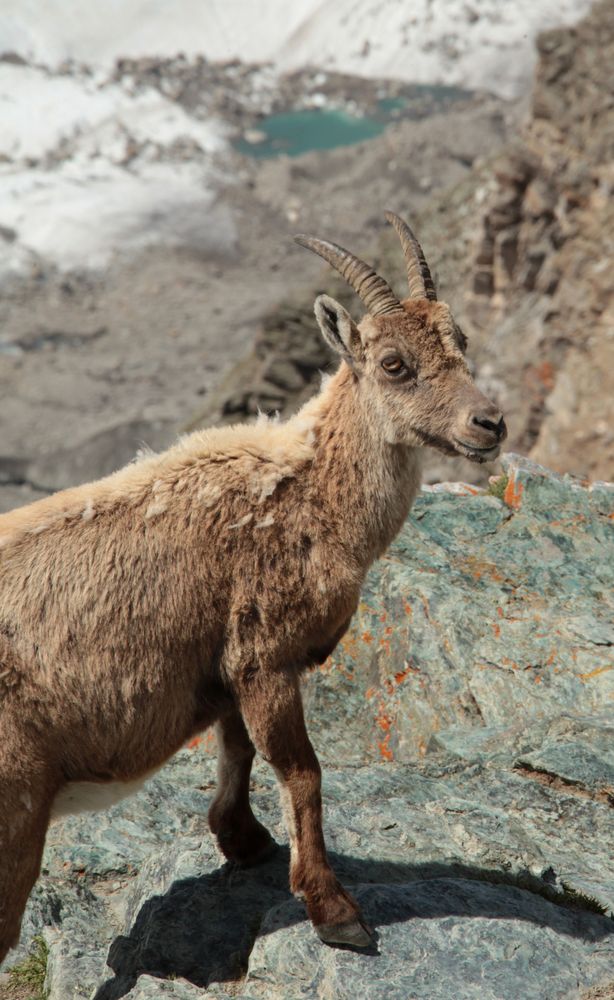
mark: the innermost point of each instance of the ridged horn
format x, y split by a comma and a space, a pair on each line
418, 274
376, 293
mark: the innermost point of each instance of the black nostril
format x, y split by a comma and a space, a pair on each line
496, 427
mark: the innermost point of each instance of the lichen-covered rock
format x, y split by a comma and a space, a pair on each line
466, 729
438, 939
150, 988
484, 611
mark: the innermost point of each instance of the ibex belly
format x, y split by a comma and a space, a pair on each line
90, 796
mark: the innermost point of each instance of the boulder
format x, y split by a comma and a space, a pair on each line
465, 729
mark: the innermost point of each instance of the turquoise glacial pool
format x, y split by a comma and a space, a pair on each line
295, 132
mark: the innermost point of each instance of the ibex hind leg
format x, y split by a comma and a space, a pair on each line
239, 834
25, 802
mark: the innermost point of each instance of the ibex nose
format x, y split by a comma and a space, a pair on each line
492, 421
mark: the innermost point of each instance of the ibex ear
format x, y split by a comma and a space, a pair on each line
338, 328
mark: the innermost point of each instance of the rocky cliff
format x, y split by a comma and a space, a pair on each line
546, 238
523, 251
466, 731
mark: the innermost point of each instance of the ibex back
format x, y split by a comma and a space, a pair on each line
192, 588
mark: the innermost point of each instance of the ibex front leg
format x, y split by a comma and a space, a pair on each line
240, 836
273, 712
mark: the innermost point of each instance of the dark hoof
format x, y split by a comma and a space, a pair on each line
248, 851
259, 856
353, 934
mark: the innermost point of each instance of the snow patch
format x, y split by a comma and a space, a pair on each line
483, 43
90, 168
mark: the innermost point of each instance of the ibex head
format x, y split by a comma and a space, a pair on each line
409, 356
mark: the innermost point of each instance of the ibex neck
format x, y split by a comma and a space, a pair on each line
367, 484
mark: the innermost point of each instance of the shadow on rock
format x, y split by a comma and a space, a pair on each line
203, 929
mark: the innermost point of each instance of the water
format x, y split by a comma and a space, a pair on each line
295, 132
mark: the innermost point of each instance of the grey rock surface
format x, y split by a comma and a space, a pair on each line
437, 939
465, 728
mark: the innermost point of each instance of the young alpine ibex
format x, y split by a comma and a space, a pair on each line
192, 588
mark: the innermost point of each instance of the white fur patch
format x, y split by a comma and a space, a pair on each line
88, 510
209, 494
241, 522
266, 484
266, 522
155, 508
91, 796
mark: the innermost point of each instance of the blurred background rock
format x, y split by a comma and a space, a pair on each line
153, 170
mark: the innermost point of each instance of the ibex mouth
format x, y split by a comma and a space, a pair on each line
477, 454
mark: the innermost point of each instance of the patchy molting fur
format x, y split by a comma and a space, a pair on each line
187, 590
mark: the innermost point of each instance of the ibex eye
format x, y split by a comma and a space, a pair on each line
393, 366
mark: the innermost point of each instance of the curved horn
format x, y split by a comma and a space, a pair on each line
376, 293
418, 275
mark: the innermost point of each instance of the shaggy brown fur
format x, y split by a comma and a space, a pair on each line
192, 588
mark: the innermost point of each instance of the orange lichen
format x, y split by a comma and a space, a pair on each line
496, 629
384, 749
513, 494
193, 743
595, 673
407, 671
367, 637
383, 720
566, 522
344, 672
348, 644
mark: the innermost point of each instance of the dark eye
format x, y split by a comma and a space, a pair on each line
394, 366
